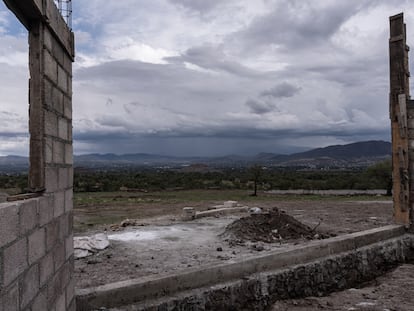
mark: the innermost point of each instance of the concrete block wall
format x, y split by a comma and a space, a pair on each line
36, 235
36, 256
410, 128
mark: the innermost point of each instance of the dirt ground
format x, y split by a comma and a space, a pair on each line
393, 291
161, 243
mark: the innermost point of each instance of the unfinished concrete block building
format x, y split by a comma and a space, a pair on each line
402, 122
36, 238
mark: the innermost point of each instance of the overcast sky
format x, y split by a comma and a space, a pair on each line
215, 77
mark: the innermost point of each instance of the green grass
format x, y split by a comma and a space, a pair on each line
191, 196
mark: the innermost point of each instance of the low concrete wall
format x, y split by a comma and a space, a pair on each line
260, 291
345, 192
240, 282
222, 211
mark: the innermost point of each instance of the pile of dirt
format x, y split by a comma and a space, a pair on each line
270, 227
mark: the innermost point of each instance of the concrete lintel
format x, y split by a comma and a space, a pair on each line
221, 211
397, 16
25, 10
125, 292
29, 11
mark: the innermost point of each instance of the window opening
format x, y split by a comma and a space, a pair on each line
14, 132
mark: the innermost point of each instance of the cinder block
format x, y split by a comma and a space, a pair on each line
69, 200
70, 222
9, 223
69, 90
28, 216
63, 227
70, 132
59, 203
59, 255
51, 179
69, 246
37, 245
68, 154
63, 129
1, 266
51, 123
65, 274
48, 145
72, 306
14, 261
70, 177
45, 210
61, 303
68, 107
58, 152
46, 269
67, 64
29, 286
50, 66
54, 289
58, 101
62, 79
58, 53
48, 89
64, 178
47, 36
52, 234
40, 302
70, 292
10, 299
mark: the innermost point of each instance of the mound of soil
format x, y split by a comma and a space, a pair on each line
272, 226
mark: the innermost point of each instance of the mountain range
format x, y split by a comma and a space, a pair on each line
360, 154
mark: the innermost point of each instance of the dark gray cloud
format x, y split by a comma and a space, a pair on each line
201, 6
260, 107
281, 90
220, 142
298, 24
213, 58
241, 75
169, 102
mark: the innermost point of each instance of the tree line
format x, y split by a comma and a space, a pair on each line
377, 176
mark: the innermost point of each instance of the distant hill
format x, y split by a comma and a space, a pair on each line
360, 154
14, 164
364, 149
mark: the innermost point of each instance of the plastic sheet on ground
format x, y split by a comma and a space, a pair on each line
88, 245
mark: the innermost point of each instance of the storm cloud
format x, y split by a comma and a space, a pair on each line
215, 77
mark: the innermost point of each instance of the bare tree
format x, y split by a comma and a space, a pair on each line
256, 172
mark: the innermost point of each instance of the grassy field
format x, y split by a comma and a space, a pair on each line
84, 199
100, 209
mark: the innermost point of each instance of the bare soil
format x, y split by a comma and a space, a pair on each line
393, 291
156, 242
269, 226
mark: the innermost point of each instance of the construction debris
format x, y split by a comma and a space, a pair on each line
88, 245
270, 227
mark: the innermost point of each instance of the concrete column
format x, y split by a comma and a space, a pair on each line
36, 235
399, 97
